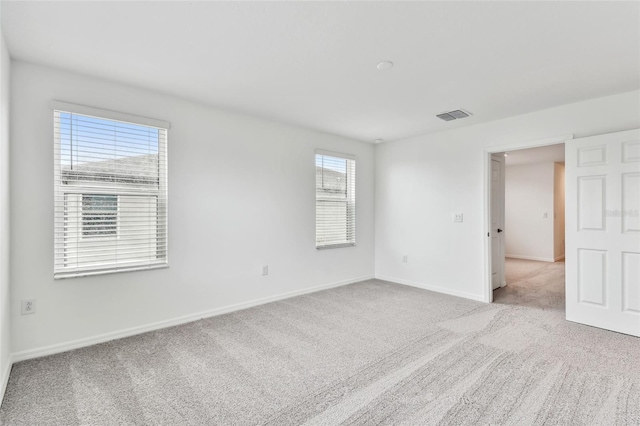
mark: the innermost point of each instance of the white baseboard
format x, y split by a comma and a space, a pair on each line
4, 378
88, 341
437, 289
539, 259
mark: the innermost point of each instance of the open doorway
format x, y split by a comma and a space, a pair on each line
525, 212
602, 224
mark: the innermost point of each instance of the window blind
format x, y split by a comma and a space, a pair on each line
110, 201
335, 200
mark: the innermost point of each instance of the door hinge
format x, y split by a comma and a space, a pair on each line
488, 234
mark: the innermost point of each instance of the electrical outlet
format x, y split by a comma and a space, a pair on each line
405, 258
457, 217
28, 306
545, 215
265, 269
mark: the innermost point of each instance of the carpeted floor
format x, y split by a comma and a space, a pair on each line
368, 353
533, 284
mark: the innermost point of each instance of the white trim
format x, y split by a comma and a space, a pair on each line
111, 115
4, 377
101, 338
91, 272
537, 259
503, 172
336, 154
553, 140
535, 143
488, 285
431, 287
332, 246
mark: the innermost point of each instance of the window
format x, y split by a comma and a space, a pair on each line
99, 215
335, 200
110, 192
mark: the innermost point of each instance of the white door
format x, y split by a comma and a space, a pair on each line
497, 221
603, 231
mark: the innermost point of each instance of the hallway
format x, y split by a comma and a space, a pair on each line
533, 284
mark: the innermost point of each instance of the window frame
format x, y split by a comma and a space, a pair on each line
95, 188
350, 199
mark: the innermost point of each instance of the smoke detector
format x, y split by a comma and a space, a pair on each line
453, 115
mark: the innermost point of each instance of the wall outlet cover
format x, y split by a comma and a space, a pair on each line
28, 306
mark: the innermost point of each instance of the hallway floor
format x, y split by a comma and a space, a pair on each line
533, 284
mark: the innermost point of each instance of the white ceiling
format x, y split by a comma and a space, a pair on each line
313, 64
543, 154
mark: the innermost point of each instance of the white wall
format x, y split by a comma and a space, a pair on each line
558, 208
241, 195
421, 181
5, 307
529, 196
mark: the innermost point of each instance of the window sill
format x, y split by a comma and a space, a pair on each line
332, 246
88, 273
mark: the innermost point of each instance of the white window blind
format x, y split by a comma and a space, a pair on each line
110, 198
335, 200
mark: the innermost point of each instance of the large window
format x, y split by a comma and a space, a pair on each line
110, 192
335, 200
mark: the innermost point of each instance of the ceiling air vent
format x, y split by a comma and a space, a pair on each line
446, 116
453, 115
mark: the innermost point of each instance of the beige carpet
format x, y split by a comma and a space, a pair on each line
368, 353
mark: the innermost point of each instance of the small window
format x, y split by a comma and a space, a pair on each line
99, 215
335, 200
110, 199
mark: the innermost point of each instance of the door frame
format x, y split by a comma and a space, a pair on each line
499, 157
553, 140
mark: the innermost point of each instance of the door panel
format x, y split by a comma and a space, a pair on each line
631, 202
631, 276
591, 202
592, 279
603, 231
